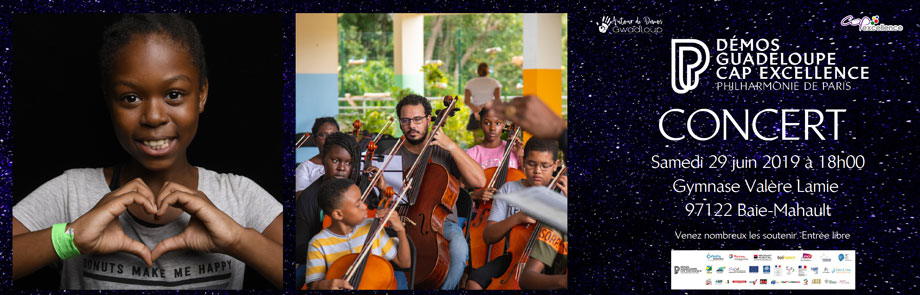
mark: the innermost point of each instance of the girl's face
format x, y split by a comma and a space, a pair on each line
337, 162
324, 131
491, 126
155, 98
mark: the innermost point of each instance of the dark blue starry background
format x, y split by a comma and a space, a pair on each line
623, 213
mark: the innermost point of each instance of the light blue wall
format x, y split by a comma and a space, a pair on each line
317, 96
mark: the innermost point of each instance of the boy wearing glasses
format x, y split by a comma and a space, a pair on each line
540, 160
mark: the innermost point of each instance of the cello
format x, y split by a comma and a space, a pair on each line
363, 270
522, 260
425, 214
479, 250
519, 241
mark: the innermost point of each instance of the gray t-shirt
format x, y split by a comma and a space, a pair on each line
500, 209
67, 197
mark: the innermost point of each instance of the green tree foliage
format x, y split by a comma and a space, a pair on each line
436, 82
399, 93
373, 121
372, 76
460, 41
367, 37
452, 39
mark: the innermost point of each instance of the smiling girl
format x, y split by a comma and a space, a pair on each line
154, 221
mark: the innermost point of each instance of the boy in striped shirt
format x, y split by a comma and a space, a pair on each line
341, 200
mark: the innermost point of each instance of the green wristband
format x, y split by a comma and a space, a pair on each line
63, 241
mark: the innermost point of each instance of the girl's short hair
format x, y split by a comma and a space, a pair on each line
173, 26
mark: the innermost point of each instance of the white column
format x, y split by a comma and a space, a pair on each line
543, 59
408, 51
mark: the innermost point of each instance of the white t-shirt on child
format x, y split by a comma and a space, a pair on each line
306, 173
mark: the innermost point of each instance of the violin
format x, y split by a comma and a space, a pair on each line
364, 270
369, 157
499, 175
379, 174
519, 242
357, 129
426, 212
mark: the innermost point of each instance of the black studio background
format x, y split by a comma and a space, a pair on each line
60, 121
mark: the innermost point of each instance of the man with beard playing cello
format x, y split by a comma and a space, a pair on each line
414, 114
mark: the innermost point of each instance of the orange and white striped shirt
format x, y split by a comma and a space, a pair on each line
327, 247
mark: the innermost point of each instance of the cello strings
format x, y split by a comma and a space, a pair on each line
533, 237
505, 158
365, 250
414, 172
435, 129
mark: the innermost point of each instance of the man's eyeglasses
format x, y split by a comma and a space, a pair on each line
416, 120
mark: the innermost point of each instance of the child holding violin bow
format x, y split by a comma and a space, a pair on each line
340, 160
350, 228
540, 161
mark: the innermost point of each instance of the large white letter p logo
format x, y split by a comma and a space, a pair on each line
685, 77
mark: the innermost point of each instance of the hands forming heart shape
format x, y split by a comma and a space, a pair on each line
209, 230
